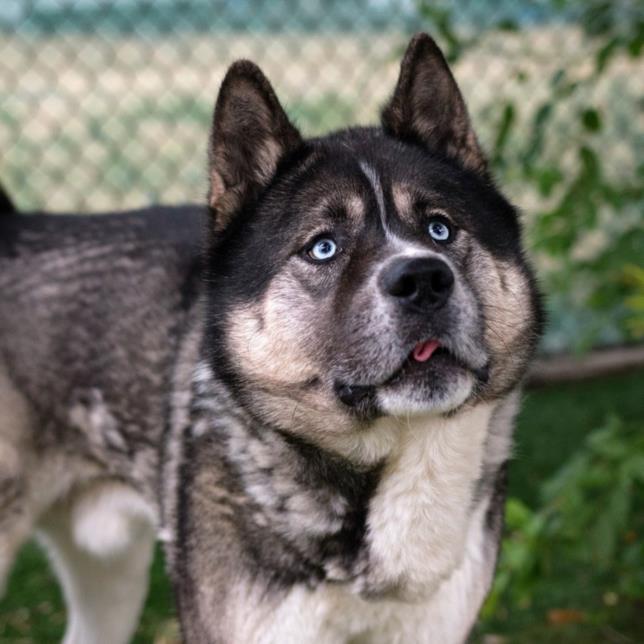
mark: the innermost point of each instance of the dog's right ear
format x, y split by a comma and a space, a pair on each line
250, 134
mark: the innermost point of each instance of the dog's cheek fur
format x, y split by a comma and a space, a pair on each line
277, 346
268, 339
506, 296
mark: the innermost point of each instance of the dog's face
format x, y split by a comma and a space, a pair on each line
373, 272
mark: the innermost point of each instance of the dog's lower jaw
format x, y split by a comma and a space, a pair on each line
407, 402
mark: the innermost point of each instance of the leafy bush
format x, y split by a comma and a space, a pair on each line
579, 556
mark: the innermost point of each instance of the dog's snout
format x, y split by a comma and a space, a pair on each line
422, 282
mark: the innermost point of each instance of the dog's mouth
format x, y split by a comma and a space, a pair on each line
424, 350
429, 359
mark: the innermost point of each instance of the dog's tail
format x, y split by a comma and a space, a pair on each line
6, 205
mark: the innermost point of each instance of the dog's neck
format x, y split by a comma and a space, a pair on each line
302, 509
394, 527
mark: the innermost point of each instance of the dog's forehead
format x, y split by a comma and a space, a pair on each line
370, 175
348, 184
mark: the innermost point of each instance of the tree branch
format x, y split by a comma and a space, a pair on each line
601, 362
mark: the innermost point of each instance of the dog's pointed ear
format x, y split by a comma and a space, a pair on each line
250, 134
427, 106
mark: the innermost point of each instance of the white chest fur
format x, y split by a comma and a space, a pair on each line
418, 518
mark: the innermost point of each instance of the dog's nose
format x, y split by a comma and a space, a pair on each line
421, 283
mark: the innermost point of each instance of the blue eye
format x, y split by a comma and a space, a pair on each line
323, 249
440, 230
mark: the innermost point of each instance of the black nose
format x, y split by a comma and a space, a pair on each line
422, 283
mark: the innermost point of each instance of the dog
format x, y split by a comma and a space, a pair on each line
305, 388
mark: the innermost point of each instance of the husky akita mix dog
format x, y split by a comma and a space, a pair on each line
313, 409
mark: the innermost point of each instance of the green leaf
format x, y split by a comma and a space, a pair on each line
591, 120
591, 169
605, 53
599, 19
503, 132
558, 77
535, 145
547, 179
507, 24
517, 514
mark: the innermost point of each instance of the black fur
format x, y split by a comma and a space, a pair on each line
6, 205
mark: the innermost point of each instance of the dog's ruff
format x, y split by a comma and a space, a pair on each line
410, 518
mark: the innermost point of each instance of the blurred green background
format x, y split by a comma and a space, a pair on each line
107, 105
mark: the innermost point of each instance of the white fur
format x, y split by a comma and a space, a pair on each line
372, 175
96, 421
40, 481
418, 518
407, 403
101, 543
107, 519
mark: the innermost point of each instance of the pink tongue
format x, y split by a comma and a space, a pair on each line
423, 350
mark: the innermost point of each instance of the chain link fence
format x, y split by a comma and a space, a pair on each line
107, 105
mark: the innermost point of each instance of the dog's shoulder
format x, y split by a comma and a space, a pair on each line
91, 313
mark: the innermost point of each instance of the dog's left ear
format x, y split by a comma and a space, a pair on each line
250, 134
427, 106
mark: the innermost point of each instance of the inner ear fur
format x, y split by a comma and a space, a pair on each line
427, 107
250, 134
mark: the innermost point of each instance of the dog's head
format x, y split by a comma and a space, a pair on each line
370, 272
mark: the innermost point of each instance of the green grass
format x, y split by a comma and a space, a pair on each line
552, 424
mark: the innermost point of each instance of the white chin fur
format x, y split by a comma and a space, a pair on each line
408, 401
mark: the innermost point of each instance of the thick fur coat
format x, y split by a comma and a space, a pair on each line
305, 388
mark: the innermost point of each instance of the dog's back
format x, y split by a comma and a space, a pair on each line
91, 309
97, 299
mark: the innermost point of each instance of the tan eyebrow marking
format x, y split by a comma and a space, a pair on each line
403, 201
406, 197
322, 205
355, 208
